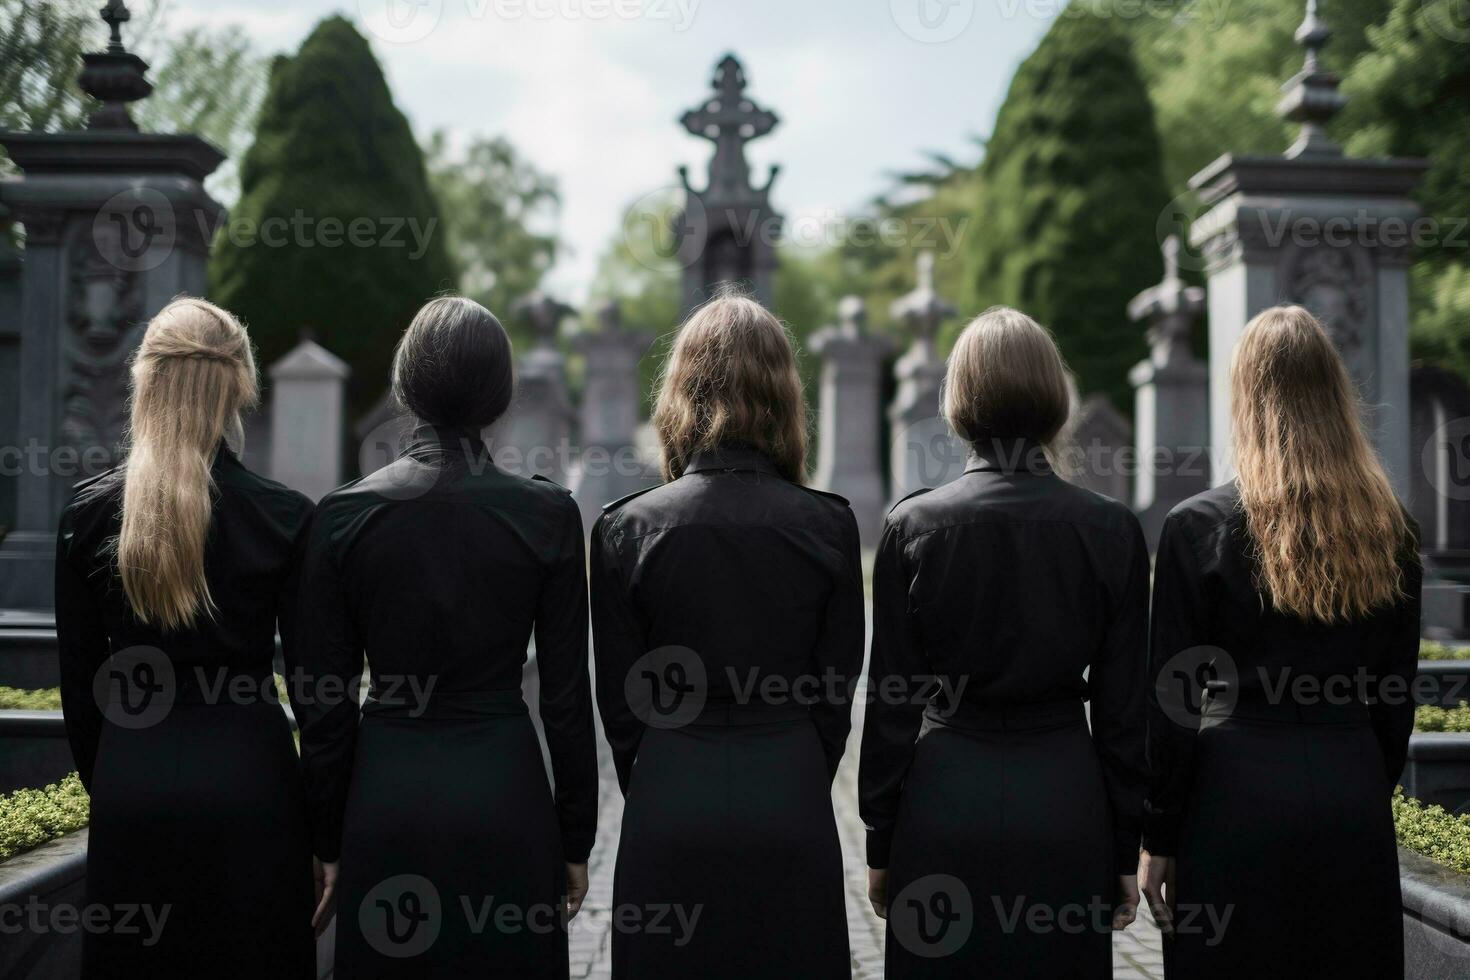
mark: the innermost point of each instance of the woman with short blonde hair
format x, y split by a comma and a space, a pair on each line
172, 573
1296, 585
727, 611
1024, 596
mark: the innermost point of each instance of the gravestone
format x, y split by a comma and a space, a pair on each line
1315, 228
1439, 496
923, 452
1099, 444
383, 434
117, 223
1171, 399
609, 465
728, 232
850, 407
307, 428
534, 438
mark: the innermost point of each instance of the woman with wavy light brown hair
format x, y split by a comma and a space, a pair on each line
172, 572
727, 613
1294, 590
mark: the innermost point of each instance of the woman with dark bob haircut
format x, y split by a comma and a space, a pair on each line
728, 617
437, 569
988, 800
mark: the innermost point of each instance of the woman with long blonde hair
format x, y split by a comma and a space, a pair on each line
727, 613
172, 573
1294, 591
987, 798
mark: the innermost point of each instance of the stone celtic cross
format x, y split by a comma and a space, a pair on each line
729, 120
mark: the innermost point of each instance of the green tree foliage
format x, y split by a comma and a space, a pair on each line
1071, 190
336, 231
499, 215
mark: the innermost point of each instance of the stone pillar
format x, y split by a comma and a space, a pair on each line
1171, 399
1316, 228
848, 451
923, 452
1104, 441
307, 426
609, 465
1439, 497
535, 436
117, 224
11, 268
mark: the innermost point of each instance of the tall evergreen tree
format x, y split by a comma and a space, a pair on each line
336, 231
1070, 194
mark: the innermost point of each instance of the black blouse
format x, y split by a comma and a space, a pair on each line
437, 568
759, 578
1211, 623
1004, 586
251, 560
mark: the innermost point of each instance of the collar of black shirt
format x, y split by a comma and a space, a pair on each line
1007, 456
730, 458
465, 440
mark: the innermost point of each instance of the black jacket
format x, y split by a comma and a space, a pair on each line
758, 579
251, 561
1207, 612
437, 568
1006, 585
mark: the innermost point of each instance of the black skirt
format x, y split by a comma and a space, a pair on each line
729, 864
199, 848
1001, 858
451, 851
1287, 865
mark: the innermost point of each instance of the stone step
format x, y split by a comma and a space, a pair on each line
28, 657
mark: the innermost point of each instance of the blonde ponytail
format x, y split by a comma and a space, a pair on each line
192, 375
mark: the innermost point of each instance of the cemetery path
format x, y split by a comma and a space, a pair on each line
1137, 953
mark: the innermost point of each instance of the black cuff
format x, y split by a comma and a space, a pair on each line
576, 848
1161, 834
878, 844
1125, 853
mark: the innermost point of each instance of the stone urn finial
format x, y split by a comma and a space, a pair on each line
1312, 97
115, 77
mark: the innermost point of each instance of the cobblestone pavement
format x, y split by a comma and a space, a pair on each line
1136, 953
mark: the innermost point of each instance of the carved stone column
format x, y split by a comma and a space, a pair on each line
923, 452
609, 466
117, 224
535, 436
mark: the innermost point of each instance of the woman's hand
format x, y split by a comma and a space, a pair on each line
878, 891
576, 889
325, 873
1127, 908
1156, 875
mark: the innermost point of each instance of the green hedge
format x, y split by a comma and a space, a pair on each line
1428, 830
20, 699
1430, 650
31, 817
1432, 718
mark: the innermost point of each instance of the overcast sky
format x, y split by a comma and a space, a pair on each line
591, 90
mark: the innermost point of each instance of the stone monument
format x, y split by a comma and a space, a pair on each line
923, 453
535, 436
1316, 228
848, 451
612, 398
117, 224
727, 232
307, 426
1171, 398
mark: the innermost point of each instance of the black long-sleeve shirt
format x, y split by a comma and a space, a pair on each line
1004, 586
251, 562
1211, 622
437, 568
758, 578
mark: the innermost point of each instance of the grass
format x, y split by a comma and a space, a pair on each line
31, 817
19, 699
1431, 650
1428, 830
1432, 718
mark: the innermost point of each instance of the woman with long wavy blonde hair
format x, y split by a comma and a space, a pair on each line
172, 572
727, 613
1268, 847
